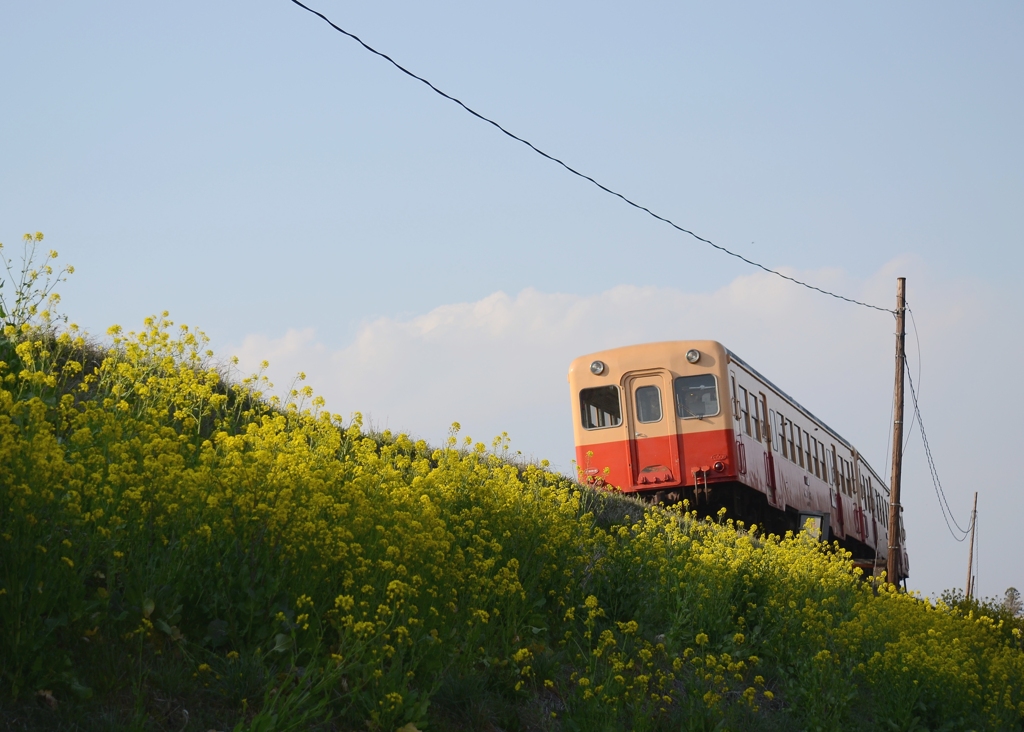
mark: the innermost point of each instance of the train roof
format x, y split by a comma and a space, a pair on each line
807, 413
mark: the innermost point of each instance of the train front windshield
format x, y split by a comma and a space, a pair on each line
696, 396
599, 407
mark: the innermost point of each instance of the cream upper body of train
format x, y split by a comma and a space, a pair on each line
691, 420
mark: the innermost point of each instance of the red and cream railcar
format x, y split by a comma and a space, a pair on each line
689, 419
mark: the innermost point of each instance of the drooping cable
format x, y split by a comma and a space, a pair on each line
892, 418
892, 415
917, 339
947, 512
577, 173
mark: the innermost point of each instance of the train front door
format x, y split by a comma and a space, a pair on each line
654, 445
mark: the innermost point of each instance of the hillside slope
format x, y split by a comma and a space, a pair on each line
179, 552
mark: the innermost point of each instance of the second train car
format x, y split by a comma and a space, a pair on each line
691, 420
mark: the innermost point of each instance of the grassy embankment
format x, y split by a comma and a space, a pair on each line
180, 553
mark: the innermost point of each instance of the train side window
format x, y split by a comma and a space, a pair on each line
830, 468
789, 433
773, 424
648, 404
745, 409
599, 407
757, 418
807, 451
780, 429
696, 396
799, 445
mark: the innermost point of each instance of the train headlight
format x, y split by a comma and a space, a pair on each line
597, 368
693, 355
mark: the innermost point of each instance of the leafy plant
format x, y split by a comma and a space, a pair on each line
297, 571
33, 294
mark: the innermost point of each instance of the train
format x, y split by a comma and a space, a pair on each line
691, 420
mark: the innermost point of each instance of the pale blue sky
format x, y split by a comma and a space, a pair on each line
252, 171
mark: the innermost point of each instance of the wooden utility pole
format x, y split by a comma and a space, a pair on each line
894, 572
969, 590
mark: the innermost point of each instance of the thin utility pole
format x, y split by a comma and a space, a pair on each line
894, 572
969, 590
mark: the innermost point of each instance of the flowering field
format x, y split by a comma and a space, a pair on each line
180, 552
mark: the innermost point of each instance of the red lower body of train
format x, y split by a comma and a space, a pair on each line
717, 469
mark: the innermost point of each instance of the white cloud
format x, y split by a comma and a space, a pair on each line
500, 363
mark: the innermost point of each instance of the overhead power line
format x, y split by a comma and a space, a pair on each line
577, 173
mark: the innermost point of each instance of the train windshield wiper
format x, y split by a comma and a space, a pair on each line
692, 414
